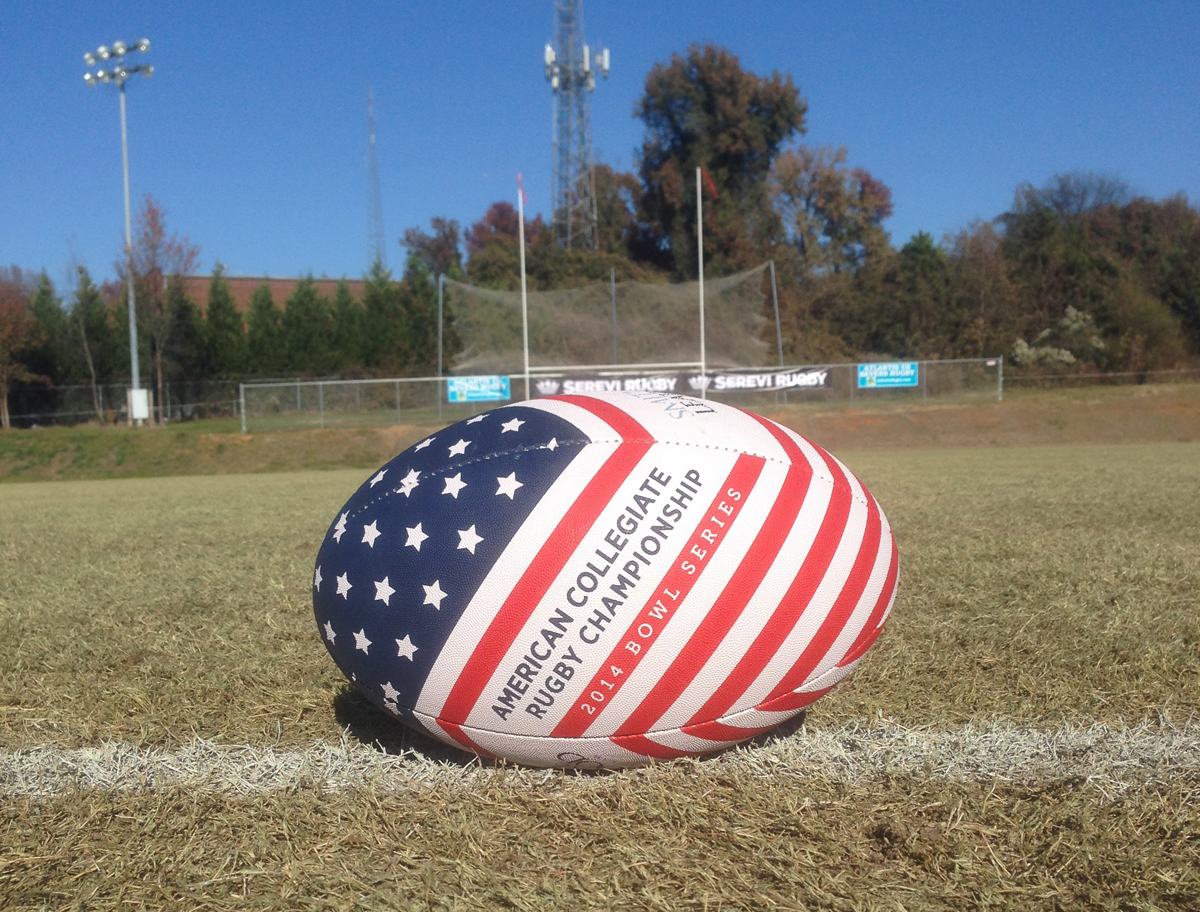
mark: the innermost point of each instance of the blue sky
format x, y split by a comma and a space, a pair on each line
252, 131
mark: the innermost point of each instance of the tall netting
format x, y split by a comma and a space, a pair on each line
653, 324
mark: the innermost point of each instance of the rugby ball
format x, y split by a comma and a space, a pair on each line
604, 580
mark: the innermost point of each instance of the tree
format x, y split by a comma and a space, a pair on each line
154, 258
439, 251
832, 215
264, 338
225, 330
17, 334
618, 195
348, 317
54, 355
385, 347
306, 330
97, 334
186, 351
704, 109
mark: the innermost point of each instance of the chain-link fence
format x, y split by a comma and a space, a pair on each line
298, 404
291, 405
106, 403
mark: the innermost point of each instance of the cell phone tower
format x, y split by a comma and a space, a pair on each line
571, 68
376, 246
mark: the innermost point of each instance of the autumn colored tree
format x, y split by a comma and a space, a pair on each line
154, 258
705, 109
439, 250
18, 329
618, 196
832, 214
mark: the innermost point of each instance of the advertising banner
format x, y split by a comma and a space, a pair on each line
888, 375
689, 383
478, 389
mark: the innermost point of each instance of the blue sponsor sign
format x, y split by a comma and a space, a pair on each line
888, 375
478, 389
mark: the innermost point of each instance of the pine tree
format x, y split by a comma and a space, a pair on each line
385, 347
348, 317
225, 331
306, 330
264, 339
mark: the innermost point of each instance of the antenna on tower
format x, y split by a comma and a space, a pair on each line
376, 248
571, 68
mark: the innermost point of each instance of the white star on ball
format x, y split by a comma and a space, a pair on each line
340, 529
459, 448
553, 444
409, 482
424, 443
378, 478
454, 485
476, 419
344, 587
370, 533
508, 485
513, 425
390, 693
468, 539
361, 641
329, 634
434, 595
317, 579
383, 591
405, 648
415, 537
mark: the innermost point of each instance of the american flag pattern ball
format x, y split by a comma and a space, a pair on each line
604, 580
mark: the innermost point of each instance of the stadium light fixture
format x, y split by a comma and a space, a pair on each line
119, 73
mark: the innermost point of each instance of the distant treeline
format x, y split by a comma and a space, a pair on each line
1079, 275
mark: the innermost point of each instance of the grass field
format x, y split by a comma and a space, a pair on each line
1026, 732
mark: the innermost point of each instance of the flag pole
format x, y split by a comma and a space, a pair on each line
524, 298
700, 257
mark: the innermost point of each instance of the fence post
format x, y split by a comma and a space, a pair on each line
612, 293
397, 400
242, 404
320, 401
853, 380
1000, 380
924, 382
441, 295
298, 396
778, 332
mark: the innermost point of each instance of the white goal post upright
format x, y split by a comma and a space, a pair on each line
700, 258
524, 297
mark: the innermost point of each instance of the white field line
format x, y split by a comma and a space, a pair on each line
1110, 759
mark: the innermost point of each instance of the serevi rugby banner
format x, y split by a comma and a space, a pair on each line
688, 383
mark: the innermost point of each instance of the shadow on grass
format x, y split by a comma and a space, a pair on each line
376, 728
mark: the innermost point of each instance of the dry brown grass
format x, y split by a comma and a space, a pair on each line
687, 836
1042, 589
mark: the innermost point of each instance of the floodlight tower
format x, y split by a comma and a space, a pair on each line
118, 74
571, 68
376, 248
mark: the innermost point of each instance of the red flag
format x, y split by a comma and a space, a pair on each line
711, 186
521, 187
